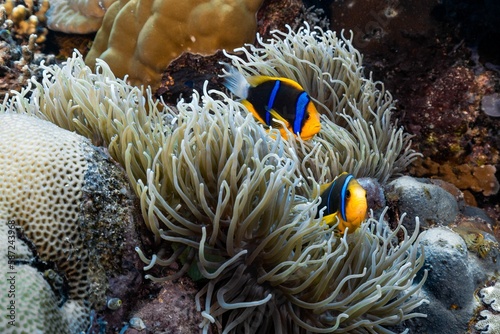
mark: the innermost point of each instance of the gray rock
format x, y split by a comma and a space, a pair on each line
454, 277
418, 198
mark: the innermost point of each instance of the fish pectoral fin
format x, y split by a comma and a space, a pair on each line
278, 117
331, 219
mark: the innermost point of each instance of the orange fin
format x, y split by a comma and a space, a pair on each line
252, 110
331, 219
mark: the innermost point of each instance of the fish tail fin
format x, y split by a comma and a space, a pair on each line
236, 82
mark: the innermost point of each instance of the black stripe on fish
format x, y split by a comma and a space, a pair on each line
288, 101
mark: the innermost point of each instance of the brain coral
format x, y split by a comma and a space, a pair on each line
35, 306
41, 177
139, 38
57, 188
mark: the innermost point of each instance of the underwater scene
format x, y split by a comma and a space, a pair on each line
249, 166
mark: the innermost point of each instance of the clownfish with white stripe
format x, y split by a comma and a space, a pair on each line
345, 200
273, 99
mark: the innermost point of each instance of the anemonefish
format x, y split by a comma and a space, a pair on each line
345, 199
272, 99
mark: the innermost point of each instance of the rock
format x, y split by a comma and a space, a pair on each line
454, 276
172, 310
419, 198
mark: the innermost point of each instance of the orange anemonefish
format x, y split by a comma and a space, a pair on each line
272, 98
345, 199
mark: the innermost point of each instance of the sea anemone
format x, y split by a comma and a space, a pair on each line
357, 132
234, 198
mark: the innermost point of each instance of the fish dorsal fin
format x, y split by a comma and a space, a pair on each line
292, 83
323, 187
259, 79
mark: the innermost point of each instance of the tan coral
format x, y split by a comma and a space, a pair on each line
24, 21
77, 16
141, 37
28, 299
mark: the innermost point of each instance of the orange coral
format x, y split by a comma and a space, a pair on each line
465, 177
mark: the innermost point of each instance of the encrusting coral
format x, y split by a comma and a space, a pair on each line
465, 177
139, 38
489, 321
235, 201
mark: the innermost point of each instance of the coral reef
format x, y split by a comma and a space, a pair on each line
172, 310
491, 296
436, 203
71, 203
135, 50
465, 177
275, 15
414, 197
77, 16
489, 324
488, 319
455, 275
211, 180
46, 204
25, 18
18, 48
438, 58
423, 62
30, 303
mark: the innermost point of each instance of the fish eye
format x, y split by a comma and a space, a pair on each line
348, 194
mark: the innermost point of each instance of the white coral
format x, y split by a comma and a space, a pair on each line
489, 325
491, 296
